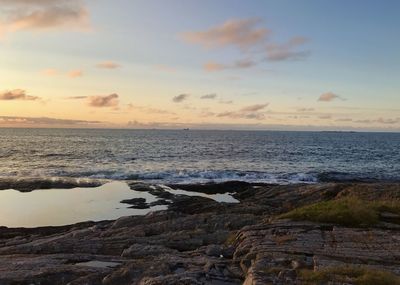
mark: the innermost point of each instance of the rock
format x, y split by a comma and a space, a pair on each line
184, 244
214, 250
136, 203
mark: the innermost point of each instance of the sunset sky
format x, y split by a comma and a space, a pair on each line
223, 64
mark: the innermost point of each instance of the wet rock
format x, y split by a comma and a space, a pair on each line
30, 184
136, 203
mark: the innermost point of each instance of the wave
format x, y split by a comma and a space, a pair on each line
201, 176
209, 176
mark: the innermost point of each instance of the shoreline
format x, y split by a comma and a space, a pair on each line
201, 240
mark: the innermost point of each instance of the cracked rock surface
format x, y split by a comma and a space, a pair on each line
200, 241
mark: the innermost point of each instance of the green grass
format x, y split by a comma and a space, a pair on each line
231, 238
349, 274
348, 211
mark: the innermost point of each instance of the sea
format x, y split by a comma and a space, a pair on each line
168, 158
200, 156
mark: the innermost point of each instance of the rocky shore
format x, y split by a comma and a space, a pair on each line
200, 241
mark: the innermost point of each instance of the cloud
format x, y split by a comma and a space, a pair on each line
325, 117
366, 121
250, 39
50, 72
152, 125
328, 97
212, 66
103, 101
244, 63
21, 15
17, 94
77, 97
344, 120
254, 108
241, 33
108, 65
250, 112
209, 96
75, 73
15, 120
151, 110
388, 121
384, 121
54, 72
180, 98
306, 110
225, 102
287, 51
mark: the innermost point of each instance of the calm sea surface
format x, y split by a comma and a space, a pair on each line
178, 156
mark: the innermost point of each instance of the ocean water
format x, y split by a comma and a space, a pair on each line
194, 156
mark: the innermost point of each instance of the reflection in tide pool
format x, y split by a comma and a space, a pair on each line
57, 207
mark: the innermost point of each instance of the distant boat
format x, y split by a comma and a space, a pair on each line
186, 129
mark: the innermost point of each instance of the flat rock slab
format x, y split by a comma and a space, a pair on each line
286, 246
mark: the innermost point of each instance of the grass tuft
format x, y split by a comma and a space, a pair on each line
347, 211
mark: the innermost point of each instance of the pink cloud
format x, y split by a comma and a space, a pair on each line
108, 65
19, 15
75, 73
242, 33
328, 97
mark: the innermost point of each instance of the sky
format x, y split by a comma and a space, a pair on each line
225, 64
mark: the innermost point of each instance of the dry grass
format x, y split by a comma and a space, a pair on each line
347, 211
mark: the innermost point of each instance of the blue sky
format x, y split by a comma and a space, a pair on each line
345, 52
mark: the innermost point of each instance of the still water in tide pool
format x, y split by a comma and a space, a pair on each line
55, 207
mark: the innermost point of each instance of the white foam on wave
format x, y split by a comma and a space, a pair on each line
221, 198
185, 176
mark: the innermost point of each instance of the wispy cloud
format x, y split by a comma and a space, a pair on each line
180, 98
251, 112
77, 97
328, 97
16, 120
19, 15
99, 101
209, 96
344, 120
75, 73
108, 65
254, 108
17, 94
287, 51
50, 72
151, 110
212, 66
241, 33
306, 110
225, 102
54, 72
388, 121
